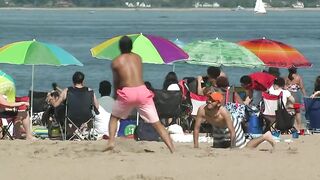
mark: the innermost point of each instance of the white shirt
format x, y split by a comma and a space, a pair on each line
173, 87
285, 94
107, 103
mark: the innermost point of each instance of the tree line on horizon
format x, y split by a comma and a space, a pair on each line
154, 3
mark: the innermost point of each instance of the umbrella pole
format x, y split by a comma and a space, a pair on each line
173, 67
31, 105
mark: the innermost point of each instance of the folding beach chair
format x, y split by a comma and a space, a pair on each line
190, 105
168, 105
39, 105
7, 118
272, 103
312, 108
79, 120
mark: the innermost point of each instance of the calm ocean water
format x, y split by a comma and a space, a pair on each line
79, 30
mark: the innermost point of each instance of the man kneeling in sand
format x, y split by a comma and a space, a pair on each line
131, 92
227, 131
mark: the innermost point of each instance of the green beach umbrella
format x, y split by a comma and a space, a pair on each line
36, 53
221, 53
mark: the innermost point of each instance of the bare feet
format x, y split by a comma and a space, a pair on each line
31, 138
110, 147
268, 137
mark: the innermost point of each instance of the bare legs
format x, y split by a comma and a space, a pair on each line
164, 135
298, 123
265, 137
113, 125
25, 119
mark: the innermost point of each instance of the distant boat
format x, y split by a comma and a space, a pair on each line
259, 7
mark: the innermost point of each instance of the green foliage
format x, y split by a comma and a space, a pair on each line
154, 3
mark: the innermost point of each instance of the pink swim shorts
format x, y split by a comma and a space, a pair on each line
135, 97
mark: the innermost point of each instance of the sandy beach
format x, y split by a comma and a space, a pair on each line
131, 160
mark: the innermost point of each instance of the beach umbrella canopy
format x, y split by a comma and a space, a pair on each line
36, 53
7, 81
218, 52
5, 77
152, 49
275, 53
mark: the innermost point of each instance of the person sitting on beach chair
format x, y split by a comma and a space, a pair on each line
271, 100
8, 107
79, 103
210, 80
227, 131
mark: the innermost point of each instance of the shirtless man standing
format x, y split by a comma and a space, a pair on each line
227, 131
132, 93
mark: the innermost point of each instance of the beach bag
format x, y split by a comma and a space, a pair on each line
237, 110
146, 132
284, 120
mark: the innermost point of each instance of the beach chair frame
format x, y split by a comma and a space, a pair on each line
86, 130
5, 129
268, 113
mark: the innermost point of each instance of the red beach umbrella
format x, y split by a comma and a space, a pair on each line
275, 53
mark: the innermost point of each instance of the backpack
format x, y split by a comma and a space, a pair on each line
146, 132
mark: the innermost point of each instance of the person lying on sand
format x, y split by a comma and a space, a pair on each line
227, 131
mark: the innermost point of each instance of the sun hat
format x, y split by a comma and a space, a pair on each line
216, 96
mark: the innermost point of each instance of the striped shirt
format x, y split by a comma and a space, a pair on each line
221, 136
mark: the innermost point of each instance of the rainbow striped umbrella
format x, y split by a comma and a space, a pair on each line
276, 54
36, 53
152, 49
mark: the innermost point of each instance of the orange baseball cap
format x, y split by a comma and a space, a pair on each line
216, 96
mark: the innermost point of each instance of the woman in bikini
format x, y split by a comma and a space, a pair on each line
295, 85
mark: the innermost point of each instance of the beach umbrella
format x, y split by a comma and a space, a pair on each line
275, 53
218, 52
6, 81
36, 53
152, 49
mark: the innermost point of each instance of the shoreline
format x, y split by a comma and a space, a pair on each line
152, 9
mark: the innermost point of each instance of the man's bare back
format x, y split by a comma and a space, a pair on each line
127, 70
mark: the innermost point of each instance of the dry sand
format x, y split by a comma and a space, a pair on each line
131, 160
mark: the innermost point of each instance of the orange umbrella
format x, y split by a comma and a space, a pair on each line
276, 54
